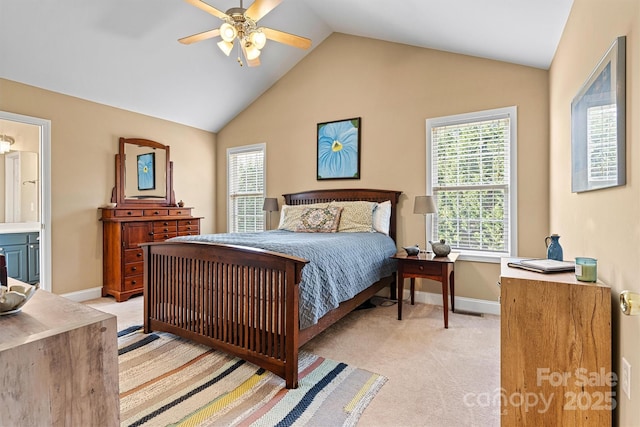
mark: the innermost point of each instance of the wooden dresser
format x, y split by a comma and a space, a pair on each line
123, 230
555, 351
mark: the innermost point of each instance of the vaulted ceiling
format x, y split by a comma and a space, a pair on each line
124, 53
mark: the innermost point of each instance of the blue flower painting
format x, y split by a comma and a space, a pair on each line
339, 149
146, 171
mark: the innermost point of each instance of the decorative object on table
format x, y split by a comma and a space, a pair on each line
412, 250
554, 250
586, 269
598, 129
339, 149
270, 205
630, 303
440, 248
241, 25
13, 297
181, 204
110, 205
425, 205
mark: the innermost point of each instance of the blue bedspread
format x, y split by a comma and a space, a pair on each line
340, 264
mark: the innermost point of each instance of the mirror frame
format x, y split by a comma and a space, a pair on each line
118, 195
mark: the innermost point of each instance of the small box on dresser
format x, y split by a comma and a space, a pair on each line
124, 229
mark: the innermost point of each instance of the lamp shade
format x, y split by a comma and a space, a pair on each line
270, 204
424, 205
228, 32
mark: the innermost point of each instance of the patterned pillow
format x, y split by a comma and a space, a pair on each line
290, 215
320, 220
356, 216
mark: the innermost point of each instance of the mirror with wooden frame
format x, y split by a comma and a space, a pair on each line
143, 174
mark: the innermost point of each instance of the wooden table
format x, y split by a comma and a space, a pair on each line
427, 266
59, 363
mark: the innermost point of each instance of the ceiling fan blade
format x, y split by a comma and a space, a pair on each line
207, 8
286, 38
260, 8
200, 36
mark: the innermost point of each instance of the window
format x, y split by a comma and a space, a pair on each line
245, 191
472, 174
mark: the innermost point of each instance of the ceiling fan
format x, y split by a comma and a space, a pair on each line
241, 24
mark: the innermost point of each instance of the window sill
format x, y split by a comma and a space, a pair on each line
493, 258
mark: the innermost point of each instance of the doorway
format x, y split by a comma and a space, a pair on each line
36, 213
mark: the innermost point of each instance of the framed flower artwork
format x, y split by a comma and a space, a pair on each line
339, 149
146, 171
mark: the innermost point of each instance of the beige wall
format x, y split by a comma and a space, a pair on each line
84, 141
604, 224
395, 88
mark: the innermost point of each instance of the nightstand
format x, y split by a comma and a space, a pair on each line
427, 266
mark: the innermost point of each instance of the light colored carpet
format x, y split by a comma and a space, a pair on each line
436, 376
166, 380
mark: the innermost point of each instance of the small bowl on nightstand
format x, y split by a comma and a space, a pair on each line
412, 250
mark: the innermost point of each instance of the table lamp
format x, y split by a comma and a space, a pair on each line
270, 205
424, 205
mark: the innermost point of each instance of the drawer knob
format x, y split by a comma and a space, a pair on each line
133, 282
134, 268
421, 268
179, 212
129, 213
138, 254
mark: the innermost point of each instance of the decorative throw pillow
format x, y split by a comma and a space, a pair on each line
320, 220
382, 217
356, 216
290, 215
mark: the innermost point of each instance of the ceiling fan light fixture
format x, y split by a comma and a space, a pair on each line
225, 47
251, 51
258, 39
228, 32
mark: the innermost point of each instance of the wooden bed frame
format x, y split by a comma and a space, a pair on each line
243, 300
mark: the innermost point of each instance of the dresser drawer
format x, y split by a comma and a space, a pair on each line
179, 212
421, 268
183, 222
133, 269
156, 212
132, 283
161, 237
128, 212
133, 255
188, 230
164, 227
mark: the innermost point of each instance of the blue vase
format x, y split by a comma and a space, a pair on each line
554, 250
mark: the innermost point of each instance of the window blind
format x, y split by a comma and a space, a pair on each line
246, 188
470, 178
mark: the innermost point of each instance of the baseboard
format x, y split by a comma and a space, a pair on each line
84, 295
462, 303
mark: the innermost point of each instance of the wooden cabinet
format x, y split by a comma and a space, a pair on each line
555, 351
123, 231
59, 365
22, 253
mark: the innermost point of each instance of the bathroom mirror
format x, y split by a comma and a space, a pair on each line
19, 173
143, 174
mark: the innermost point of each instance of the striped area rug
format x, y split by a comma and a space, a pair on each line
166, 380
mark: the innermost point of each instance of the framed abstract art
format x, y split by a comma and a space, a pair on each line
338, 149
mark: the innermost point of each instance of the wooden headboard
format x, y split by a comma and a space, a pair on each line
321, 196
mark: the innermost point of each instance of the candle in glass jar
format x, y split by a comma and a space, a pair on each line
586, 269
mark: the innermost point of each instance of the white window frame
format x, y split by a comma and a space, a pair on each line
262, 147
511, 112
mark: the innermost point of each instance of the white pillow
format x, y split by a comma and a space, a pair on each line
382, 217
